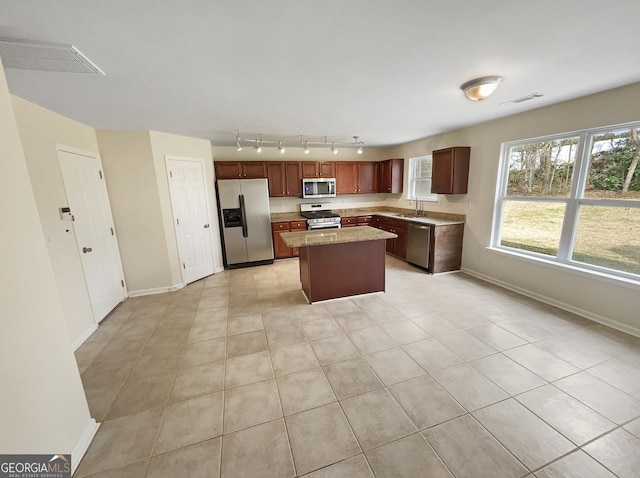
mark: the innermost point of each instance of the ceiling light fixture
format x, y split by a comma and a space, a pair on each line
238, 138
481, 88
358, 143
259, 144
306, 147
333, 148
280, 148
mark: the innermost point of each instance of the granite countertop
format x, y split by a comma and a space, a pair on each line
286, 216
434, 219
419, 219
334, 236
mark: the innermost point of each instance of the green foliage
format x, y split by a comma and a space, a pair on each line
609, 168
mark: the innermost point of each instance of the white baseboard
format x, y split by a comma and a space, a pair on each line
218, 270
157, 290
614, 324
87, 333
83, 444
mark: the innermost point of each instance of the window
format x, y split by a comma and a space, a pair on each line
574, 199
420, 179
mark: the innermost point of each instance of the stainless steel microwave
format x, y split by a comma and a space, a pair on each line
313, 188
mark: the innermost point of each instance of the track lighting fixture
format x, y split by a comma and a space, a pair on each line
280, 148
305, 143
238, 145
358, 143
306, 147
333, 148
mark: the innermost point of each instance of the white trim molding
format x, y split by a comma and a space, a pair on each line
83, 444
155, 290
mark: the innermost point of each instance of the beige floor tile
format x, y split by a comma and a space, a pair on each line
471, 452
341, 306
496, 337
190, 421
142, 393
321, 329
620, 375
634, 427
251, 405
527, 329
463, 317
355, 467
435, 325
304, 390
384, 315
512, 377
540, 362
355, 320
351, 377
376, 418
100, 397
258, 452
248, 369
572, 351
284, 335
121, 441
469, 387
245, 322
89, 351
575, 465
132, 470
530, 439
408, 457
570, 417
370, 340
426, 402
619, 451
199, 380
320, 437
201, 460
334, 349
603, 340
404, 332
631, 358
208, 328
614, 404
293, 358
245, 344
205, 351
465, 345
393, 366
431, 355
312, 312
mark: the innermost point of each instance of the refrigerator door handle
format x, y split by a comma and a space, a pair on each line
243, 216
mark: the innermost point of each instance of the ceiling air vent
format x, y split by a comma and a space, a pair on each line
522, 99
29, 55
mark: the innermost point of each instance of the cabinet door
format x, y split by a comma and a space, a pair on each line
277, 180
391, 243
327, 169
280, 249
346, 178
365, 221
367, 177
384, 176
293, 175
348, 221
310, 169
400, 249
228, 169
450, 170
254, 169
297, 226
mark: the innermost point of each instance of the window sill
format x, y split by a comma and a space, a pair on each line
570, 268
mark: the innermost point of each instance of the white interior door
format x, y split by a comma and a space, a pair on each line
192, 219
93, 226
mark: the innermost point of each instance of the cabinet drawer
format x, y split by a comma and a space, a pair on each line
298, 225
348, 221
279, 226
364, 219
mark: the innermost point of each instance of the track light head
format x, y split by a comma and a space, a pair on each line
360, 150
280, 148
306, 147
333, 148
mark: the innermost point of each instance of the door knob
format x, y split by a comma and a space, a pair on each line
86, 249
206, 226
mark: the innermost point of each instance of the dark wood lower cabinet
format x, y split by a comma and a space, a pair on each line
280, 249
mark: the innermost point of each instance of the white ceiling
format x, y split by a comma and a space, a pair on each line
388, 71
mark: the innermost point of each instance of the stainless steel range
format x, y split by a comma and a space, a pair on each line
319, 216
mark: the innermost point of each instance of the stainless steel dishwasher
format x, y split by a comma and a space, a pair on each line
418, 241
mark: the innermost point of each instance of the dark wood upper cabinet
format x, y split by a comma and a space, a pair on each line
318, 169
450, 170
277, 179
240, 169
367, 177
293, 176
391, 174
346, 177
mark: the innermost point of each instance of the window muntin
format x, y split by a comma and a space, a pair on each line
574, 199
420, 179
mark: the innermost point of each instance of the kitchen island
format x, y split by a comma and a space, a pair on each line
338, 263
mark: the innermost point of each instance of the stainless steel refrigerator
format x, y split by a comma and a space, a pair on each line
245, 221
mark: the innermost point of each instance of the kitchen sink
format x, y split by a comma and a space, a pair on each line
407, 216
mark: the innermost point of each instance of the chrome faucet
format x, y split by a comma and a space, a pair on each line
417, 208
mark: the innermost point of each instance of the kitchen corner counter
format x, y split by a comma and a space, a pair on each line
286, 217
334, 236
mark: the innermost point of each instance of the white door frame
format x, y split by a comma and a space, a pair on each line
62, 148
170, 157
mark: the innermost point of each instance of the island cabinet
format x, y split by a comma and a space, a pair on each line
390, 174
450, 170
446, 248
280, 249
318, 169
240, 169
356, 177
351, 221
284, 178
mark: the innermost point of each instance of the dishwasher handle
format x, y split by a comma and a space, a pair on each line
416, 226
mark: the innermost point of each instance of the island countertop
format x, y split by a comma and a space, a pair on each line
334, 236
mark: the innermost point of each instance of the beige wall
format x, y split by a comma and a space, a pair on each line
42, 405
40, 130
129, 168
608, 301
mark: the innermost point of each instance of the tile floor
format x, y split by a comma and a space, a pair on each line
236, 376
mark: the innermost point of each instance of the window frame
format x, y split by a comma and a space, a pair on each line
573, 202
411, 189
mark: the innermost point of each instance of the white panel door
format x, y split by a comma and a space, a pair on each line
192, 219
93, 226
